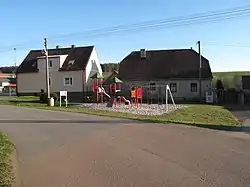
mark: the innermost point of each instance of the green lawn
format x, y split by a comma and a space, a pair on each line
203, 115
6, 168
230, 73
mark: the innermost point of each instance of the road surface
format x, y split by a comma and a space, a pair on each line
57, 149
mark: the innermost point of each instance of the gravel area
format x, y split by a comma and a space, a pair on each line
145, 109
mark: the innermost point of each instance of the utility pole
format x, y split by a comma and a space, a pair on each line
47, 69
15, 57
200, 71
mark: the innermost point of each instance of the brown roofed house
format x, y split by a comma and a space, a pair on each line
70, 70
178, 68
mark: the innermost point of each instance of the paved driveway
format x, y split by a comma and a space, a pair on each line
58, 149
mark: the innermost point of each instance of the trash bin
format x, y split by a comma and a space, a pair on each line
51, 102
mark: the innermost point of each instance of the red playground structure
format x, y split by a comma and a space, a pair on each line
115, 92
114, 95
136, 96
97, 87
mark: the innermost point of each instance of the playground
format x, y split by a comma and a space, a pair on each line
144, 109
112, 98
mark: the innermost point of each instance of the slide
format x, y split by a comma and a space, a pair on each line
127, 102
101, 89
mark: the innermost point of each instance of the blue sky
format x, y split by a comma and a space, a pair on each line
27, 22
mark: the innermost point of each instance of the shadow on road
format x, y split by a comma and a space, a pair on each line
245, 129
66, 121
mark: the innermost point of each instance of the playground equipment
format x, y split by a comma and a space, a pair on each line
101, 90
97, 87
115, 92
158, 94
171, 96
136, 96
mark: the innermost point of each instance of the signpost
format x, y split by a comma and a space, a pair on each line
63, 94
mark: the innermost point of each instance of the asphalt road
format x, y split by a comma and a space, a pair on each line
57, 149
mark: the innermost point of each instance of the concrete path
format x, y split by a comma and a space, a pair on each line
57, 149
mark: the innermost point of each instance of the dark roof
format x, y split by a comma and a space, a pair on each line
8, 69
80, 55
112, 80
163, 64
96, 76
111, 75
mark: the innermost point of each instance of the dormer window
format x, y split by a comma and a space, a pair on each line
71, 62
34, 64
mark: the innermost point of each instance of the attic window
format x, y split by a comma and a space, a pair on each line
34, 64
71, 62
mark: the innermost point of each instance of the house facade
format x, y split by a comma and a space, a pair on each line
155, 69
70, 70
7, 86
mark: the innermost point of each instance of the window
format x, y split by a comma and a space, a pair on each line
50, 63
68, 81
173, 87
152, 86
34, 64
71, 62
193, 87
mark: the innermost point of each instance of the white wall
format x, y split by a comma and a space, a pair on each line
62, 59
56, 62
34, 82
93, 66
183, 87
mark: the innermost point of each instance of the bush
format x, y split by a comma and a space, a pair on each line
44, 97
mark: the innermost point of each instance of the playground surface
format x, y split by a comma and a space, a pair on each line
144, 109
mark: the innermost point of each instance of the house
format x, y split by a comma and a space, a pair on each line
7, 84
70, 70
178, 68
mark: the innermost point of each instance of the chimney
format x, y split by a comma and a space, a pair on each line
72, 46
143, 54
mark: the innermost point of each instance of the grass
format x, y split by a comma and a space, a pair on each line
200, 115
230, 74
6, 167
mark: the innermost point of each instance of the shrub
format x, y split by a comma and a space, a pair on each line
44, 97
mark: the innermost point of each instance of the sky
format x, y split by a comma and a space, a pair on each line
24, 24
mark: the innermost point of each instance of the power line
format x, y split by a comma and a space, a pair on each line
177, 21
210, 17
226, 44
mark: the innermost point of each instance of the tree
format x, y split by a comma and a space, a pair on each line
236, 82
219, 85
